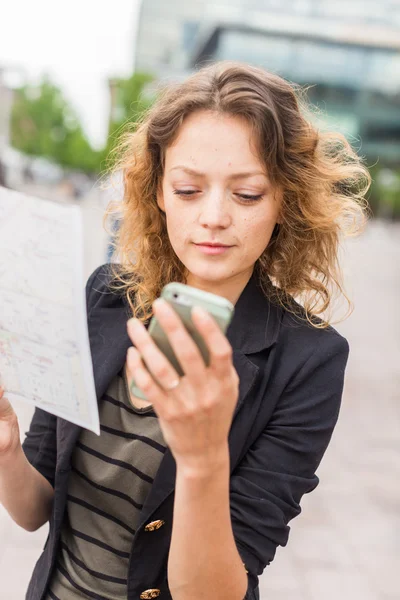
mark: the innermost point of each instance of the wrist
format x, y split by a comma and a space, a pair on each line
202, 468
11, 456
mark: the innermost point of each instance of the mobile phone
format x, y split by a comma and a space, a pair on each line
183, 298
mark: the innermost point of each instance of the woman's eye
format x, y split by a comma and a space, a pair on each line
185, 192
249, 198
243, 197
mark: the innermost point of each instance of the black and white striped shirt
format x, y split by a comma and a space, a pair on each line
110, 479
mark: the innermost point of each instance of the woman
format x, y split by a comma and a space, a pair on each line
188, 494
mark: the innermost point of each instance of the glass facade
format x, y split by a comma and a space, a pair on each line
165, 30
169, 31
348, 52
308, 60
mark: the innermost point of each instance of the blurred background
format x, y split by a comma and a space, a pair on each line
71, 76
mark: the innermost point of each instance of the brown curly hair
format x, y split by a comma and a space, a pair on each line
322, 179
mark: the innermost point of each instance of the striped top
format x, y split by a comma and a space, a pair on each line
110, 479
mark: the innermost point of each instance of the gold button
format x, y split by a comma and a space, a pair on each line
150, 594
154, 525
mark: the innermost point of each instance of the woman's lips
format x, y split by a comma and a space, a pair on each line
212, 249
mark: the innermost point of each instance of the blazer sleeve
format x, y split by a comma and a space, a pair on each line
268, 484
40, 443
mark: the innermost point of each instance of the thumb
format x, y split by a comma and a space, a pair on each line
6, 410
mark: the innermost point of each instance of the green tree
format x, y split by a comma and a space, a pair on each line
128, 102
129, 99
44, 124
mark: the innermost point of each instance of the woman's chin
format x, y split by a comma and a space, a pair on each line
211, 273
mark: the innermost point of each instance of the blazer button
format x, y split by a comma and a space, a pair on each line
150, 594
154, 525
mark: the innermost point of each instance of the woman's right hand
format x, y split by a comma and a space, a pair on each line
9, 428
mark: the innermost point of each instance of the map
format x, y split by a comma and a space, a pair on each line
44, 344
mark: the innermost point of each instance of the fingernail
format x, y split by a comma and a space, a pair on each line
200, 312
131, 352
133, 322
159, 302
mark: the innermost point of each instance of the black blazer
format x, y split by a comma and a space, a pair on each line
291, 381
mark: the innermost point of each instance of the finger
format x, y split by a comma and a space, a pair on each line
6, 409
184, 347
155, 360
217, 343
143, 378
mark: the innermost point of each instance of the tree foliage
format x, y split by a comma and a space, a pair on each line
44, 124
128, 103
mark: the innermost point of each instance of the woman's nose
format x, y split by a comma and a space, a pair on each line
215, 211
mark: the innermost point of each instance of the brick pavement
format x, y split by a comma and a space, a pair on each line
346, 542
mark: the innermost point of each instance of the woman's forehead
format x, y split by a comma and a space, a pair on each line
207, 140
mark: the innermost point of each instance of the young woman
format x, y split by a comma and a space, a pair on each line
228, 188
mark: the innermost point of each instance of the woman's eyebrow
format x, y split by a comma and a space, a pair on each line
191, 171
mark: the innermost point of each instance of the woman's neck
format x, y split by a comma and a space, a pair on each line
230, 288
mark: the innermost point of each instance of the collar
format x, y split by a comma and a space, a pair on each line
254, 327
256, 321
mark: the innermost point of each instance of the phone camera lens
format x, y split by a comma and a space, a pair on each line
176, 296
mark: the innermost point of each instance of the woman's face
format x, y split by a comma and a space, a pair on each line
219, 204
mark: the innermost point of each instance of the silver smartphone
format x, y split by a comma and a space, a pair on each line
183, 298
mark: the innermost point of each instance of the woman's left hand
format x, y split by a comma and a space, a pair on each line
196, 415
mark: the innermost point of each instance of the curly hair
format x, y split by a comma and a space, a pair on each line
322, 179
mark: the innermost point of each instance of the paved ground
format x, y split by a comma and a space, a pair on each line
346, 542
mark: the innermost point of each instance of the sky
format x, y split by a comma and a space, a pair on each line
79, 43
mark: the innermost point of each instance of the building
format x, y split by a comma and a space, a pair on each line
168, 31
349, 52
